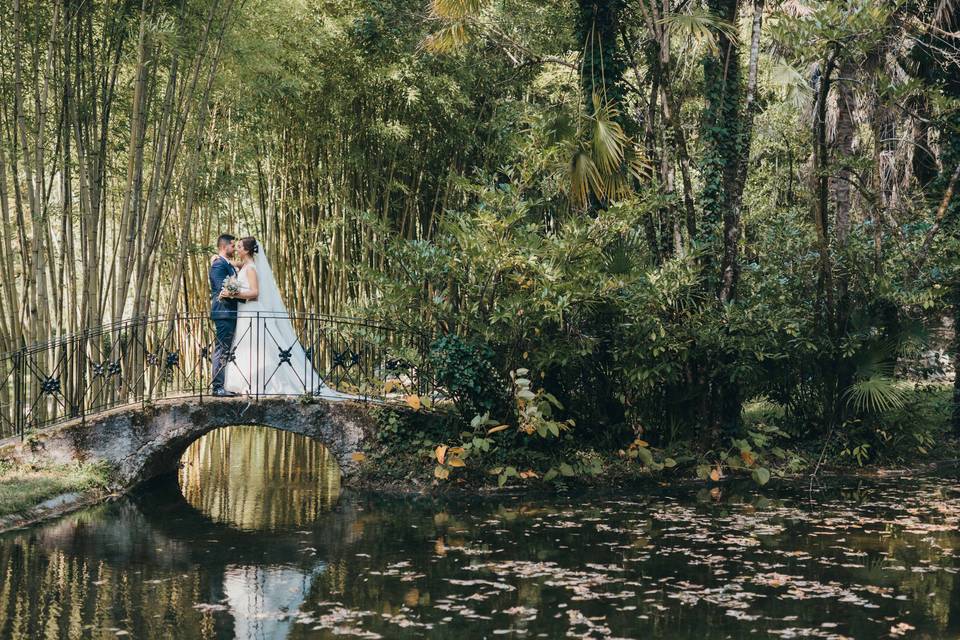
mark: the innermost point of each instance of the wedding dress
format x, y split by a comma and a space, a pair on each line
268, 357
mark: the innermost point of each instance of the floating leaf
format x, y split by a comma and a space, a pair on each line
715, 474
440, 452
498, 428
442, 473
413, 401
456, 462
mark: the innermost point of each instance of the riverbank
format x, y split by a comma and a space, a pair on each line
30, 494
414, 454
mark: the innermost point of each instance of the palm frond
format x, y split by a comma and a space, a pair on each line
584, 179
699, 27
609, 139
447, 39
456, 9
876, 394
617, 185
796, 90
797, 8
637, 164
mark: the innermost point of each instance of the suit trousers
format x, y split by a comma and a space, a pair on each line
222, 355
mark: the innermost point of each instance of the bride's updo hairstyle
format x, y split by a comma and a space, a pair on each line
250, 245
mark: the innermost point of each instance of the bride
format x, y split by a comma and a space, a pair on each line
268, 356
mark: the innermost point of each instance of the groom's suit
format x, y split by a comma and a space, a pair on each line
224, 316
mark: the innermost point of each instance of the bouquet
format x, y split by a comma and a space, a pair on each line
231, 286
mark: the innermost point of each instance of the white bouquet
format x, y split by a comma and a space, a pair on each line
231, 286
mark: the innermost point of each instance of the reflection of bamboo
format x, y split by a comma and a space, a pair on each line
259, 478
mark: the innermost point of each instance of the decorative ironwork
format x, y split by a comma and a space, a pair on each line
149, 359
50, 386
345, 359
397, 364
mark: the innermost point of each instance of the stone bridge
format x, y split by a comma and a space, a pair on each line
140, 442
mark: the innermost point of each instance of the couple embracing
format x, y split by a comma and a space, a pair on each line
256, 349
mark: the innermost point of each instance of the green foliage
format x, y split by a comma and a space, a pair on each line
22, 488
465, 371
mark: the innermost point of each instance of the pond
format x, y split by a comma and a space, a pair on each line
250, 540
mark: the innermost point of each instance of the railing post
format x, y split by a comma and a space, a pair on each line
18, 359
255, 374
81, 351
203, 364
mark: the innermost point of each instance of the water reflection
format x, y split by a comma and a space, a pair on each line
257, 478
875, 560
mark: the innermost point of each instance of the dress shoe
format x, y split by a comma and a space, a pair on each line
223, 393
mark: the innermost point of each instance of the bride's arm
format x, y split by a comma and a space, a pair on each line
253, 289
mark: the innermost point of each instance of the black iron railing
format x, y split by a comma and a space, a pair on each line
143, 360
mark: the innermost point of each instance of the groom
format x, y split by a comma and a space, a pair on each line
223, 312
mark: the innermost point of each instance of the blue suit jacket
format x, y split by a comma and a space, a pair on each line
220, 270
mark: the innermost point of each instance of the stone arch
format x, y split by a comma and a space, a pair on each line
144, 441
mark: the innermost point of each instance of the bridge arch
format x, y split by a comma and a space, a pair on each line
141, 442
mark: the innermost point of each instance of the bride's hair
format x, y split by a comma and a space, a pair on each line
250, 245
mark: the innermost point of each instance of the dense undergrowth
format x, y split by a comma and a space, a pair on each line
434, 450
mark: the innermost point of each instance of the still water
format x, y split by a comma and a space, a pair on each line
250, 540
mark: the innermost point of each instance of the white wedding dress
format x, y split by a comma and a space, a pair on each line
268, 357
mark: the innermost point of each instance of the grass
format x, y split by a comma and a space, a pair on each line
24, 487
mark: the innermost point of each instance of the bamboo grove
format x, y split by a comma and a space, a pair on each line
665, 209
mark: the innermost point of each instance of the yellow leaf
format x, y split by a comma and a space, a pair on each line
358, 456
641, 443
442, 473
530, 473
498, 428
748, 458
440, 452
390, 385
715, 474
412, 597
456, 462
456, 451
413, 401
